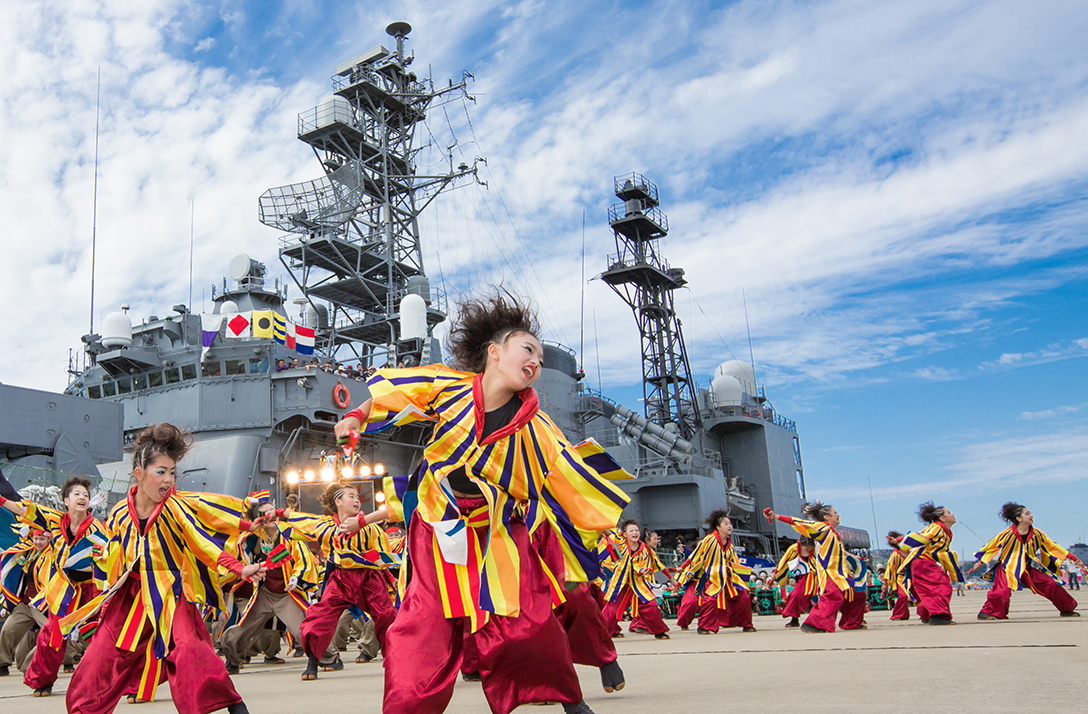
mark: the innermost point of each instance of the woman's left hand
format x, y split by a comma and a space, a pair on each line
254, 572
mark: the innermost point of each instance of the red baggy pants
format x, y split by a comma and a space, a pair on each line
827, 607
997, 602
49, 652
689, 606
522, 659
587, 632
853, 612
797, 603
649, 611
198, 678
932, 588
901, 608
366, 589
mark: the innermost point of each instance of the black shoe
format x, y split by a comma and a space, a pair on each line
662, 636
612, 677
298, 653
238, 708
336, 665
44, 691
4, 670
274, 660
749, 629
310, 673
363, 658
69, 668
639, 630
246, 660
232, 668
941, 621
579, 708
701, 631
811, 629
986, 616
471, 677
1071, 613
924, 622
794, 622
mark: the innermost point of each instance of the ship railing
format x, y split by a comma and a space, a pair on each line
627, 260
753, 412
358, 75
274, 285
618, 212
636, 180
436, 299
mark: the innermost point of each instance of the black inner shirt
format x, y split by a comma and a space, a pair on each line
493, 421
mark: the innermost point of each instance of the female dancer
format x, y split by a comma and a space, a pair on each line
832, 577
24, 572
509, 469
891, 587
162, 557
797, 563
1013, 556
77, 538
930, 566
357, 576
630, 583
652, 539
723, 591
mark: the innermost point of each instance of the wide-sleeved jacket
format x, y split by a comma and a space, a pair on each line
792, 564
1009, 554
635, 570
717, 567
76, 557
24, 572
830, 554
935, 543
367, 548
526, 471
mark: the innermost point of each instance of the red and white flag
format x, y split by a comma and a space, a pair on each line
290, 335
240, 325
304, 340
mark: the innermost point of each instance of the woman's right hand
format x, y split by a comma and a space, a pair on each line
346, 426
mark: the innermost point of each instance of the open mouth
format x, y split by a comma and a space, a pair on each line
162, 492
528, 372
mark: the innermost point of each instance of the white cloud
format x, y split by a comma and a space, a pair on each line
204, 45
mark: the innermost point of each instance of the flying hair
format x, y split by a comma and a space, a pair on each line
72, 483
928, 513
485, 321
1011, 511
332, 492
716, 517
161, 439
816, 511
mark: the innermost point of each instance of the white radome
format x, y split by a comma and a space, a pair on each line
116, 331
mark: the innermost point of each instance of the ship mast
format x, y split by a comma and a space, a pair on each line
640, 275
352, 237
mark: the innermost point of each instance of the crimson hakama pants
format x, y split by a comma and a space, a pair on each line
997, 602
901, 608
689, 606
932, 588
199, 682
827, 607
649, 611
797, 602
521, 659
49, 653
853, 611
366, 589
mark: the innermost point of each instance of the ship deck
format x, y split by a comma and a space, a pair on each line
1035, 658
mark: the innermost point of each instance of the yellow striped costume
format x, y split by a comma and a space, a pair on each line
933, 542
534, 474
18, 563
791, 564
175, 558
1009, 553
720, 572
830, 553
368, 548
635, 570
894, 567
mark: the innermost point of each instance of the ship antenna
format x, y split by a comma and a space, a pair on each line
872, 504
582, 316
192, 231
94, 207
597, 350
751, 352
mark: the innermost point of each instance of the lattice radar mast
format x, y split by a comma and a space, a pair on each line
643, 278
352, 238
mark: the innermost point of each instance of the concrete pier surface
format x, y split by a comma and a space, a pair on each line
1035, 659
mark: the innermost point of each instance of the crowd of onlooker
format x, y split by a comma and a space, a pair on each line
344, 371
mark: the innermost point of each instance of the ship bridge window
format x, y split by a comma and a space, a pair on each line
109, 389
188, 371
94, 392
154, 379
173, 375
124, 386
258, 365
211, 369
236, 366
139, 382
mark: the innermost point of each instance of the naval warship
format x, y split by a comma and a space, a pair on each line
350, 242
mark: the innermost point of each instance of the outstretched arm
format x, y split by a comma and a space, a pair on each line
9, 498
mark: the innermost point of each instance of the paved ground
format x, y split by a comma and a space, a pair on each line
1035, 660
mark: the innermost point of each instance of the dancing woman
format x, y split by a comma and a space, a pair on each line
798, 563
495, 470
630, 583
891, 586
1020, 557
722, 578
930, 566
832, 576
77, 540
162, 557
24, 572
357, 564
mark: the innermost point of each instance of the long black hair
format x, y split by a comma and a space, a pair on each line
1011, 511
928, 513
485, 321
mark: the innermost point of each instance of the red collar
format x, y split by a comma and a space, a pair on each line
66, 520
154, 512
1025, 536
946, 529
724, 544
529, 406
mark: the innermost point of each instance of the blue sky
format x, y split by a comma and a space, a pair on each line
898, 188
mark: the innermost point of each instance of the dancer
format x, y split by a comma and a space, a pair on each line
831, 573
891, 587
356, 571
24, 573
163, 555
651, 539
856, 597
1013, 558
930, 566
797, 563
630, 583
473, 569
291, 569
723, 586
77, 540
